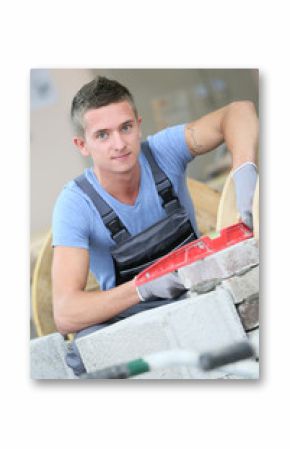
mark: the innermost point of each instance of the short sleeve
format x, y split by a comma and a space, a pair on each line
169, 147
71, 220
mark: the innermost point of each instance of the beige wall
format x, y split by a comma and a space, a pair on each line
182, 89
53, 157
54, 160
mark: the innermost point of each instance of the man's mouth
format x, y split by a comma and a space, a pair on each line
122, 156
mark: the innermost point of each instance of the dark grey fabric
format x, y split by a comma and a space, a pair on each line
117, 229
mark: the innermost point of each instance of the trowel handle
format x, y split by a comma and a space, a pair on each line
231, 354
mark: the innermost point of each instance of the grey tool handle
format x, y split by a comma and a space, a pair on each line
113, 372
231, 354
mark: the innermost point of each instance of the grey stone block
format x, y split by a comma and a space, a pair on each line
47, 358
249, 312
224, 264
246, 369
198, 323
245, 286
254, 338
165, 374
131, 338
210, 322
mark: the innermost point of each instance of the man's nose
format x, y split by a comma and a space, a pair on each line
118, 142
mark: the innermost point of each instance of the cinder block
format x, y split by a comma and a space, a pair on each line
210, 322
254, 339
245, 369
131, 338
173, 373
249, 312
245, 286
198, 323
47, 358
232, 261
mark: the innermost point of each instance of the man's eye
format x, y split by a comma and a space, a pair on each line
102, 135
127, 127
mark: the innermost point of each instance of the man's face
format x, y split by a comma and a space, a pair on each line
112, 138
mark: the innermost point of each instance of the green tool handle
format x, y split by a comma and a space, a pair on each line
122, 371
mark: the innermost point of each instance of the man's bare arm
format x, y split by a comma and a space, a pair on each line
76, 309
235, 124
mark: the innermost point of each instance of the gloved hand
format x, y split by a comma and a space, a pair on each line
168, 286
245, 178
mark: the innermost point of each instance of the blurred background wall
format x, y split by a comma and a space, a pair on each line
164, 97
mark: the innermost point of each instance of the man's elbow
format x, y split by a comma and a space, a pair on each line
62, 325
243, 105
62, 319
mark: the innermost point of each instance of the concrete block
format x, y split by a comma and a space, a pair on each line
175, 373
198, 323
245, 369
245, 286
254, 338
249, 312
47, 358
131, 338
232, 261
210, 322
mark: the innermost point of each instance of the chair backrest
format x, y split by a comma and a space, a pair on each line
42, 290
206, 201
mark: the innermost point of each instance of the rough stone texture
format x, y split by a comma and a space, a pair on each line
47, 358
254, 338
245, 286
236, 269
248, 369
221, 307
232, 261
249, 312
205, 286
199, 323
173, 373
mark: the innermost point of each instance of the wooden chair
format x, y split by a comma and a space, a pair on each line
228, 214
42, 292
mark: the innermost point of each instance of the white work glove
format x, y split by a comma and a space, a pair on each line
245, 178
168, 286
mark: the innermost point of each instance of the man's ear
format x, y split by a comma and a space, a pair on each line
79, 142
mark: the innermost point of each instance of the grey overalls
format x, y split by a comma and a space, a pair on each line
132, 254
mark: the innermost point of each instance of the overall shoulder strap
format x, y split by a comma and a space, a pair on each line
110, 219
163, 184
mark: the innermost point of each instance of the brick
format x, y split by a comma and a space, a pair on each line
210, 322
245, 369
232, 261
173, 373
198, 323
47, 358
245, 286
129, 339
249, 312
205, 286
254, 338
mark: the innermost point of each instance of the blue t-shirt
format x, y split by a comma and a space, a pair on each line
77, 223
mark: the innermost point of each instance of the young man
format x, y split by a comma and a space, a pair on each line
133, 202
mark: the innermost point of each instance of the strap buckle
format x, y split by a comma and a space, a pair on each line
115, 226
167, 195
